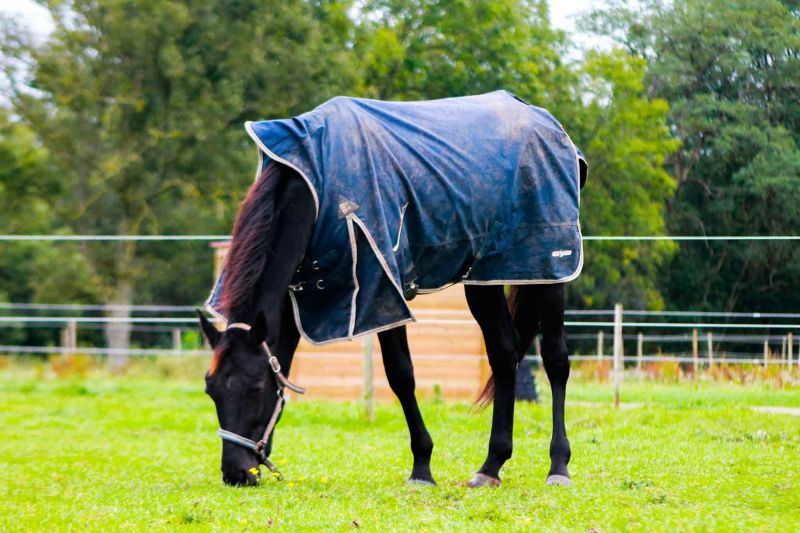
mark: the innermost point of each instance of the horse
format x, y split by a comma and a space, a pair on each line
275, 256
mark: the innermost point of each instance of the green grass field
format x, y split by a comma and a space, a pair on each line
142, 454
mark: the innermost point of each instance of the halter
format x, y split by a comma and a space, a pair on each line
260, 447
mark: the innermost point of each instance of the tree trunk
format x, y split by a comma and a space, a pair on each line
118, 334
118, 331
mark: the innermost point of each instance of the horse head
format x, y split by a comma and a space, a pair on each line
248, 397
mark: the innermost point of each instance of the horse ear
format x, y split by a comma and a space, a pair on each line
211, 333
258, 333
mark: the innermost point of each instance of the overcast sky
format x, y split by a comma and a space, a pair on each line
562, 13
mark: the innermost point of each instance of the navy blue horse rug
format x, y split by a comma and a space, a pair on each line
412, 197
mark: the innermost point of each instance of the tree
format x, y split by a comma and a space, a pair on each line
33, 271
730, 72
140, 105
424, 49
626, 139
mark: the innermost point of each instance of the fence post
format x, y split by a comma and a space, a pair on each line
766, 352
783, 349
369, 384
618, 364
695, 353
69, 337
600, 345
791, 349
176, 340
710, 348
639, 351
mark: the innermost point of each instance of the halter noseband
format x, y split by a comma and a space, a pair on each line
260, 447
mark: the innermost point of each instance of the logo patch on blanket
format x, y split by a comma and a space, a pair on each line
346, 207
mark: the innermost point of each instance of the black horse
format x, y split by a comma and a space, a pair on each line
270, 238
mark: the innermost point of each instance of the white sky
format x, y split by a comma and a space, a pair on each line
562, 13
34, 15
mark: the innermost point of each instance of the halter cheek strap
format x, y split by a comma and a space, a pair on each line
272, 360
260, 447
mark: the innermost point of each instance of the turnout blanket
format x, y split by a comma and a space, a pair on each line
412, 197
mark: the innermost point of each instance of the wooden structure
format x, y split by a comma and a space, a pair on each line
446, 347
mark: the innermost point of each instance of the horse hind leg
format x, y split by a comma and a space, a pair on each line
400, 374
488, 306
550, 302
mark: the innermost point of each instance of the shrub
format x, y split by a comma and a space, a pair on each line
68, 365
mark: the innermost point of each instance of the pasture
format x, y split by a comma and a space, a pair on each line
141, 453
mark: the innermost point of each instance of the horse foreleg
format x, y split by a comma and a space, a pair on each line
488, 306
400, 374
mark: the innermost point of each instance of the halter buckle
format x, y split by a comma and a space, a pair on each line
274, 363
260, 445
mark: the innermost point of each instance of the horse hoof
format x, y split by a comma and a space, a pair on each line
558, 479
421, 482
482, 480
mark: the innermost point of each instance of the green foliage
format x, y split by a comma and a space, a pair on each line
425, 49
729, 72
25, 179
34, 271
625, 137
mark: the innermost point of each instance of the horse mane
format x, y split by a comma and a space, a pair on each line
250, 244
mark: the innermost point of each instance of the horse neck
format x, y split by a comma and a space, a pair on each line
286, 245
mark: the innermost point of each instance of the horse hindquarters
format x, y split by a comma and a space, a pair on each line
400, 374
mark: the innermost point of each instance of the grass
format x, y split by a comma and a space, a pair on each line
102, 453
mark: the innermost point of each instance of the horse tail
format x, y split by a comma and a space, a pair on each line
487, 394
